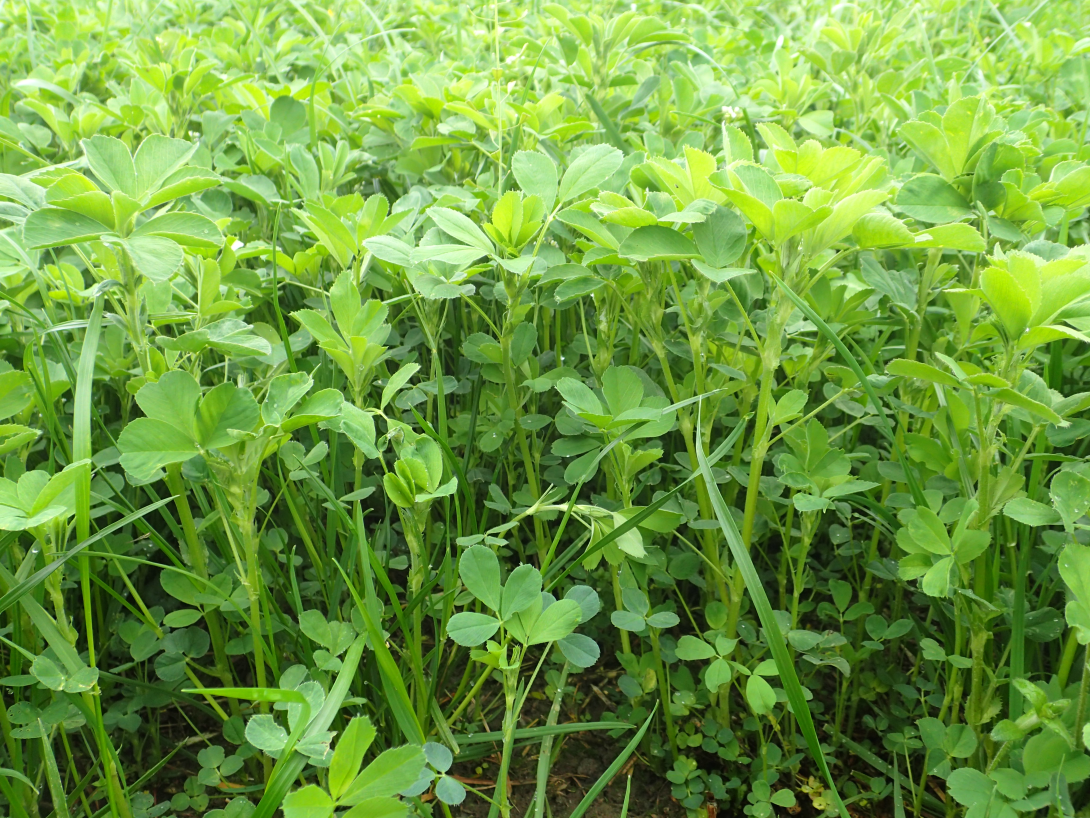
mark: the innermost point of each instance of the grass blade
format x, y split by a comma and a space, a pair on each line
650, 509
7, 772
612, 769
53, 773
393, 685
291, 765
933, 804
15, 593
898, 796
542, 732
81, 416
777, 644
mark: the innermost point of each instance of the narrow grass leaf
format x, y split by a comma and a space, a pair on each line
776, 642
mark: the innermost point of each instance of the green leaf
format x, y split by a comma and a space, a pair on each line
555, 622
285, 391
16, 392
693, 649
173, 398
936, 582
663, 619
187, 229
460, 227
756, 211
1074, 567
45, 670
310, 801
348, 756
183, 182
379, 807
450, 790
111, 163
580, 651
789, 406
760, 695
1030, 512
657, 243
522, 589
319, 328
970, 787
589, 226
522, 343
400, 493
323, 405
844, 218
589, 170
784, 797
959, 741
921, 371
56, 227
147, 445
479, 569
390, 773
157, 158
881, 230
396, 381
1007, 298
331, 232
230, 337
536, 175
928, 532
956, 236
156, 258
579, 396
623, 389
256, 188
266, 734
627, 621
931, 199
718, 674
224, 409
1036, 408
721, 238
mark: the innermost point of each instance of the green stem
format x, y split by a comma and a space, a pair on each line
471, 695
1084, 690
545, 757
664, 692
410, 522
618, 604
520, 433
703, 500
24, 797
1067, 660
800, 571
242, 507
196, 558
770, 363
501, 805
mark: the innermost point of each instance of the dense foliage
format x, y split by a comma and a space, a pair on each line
395, 394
